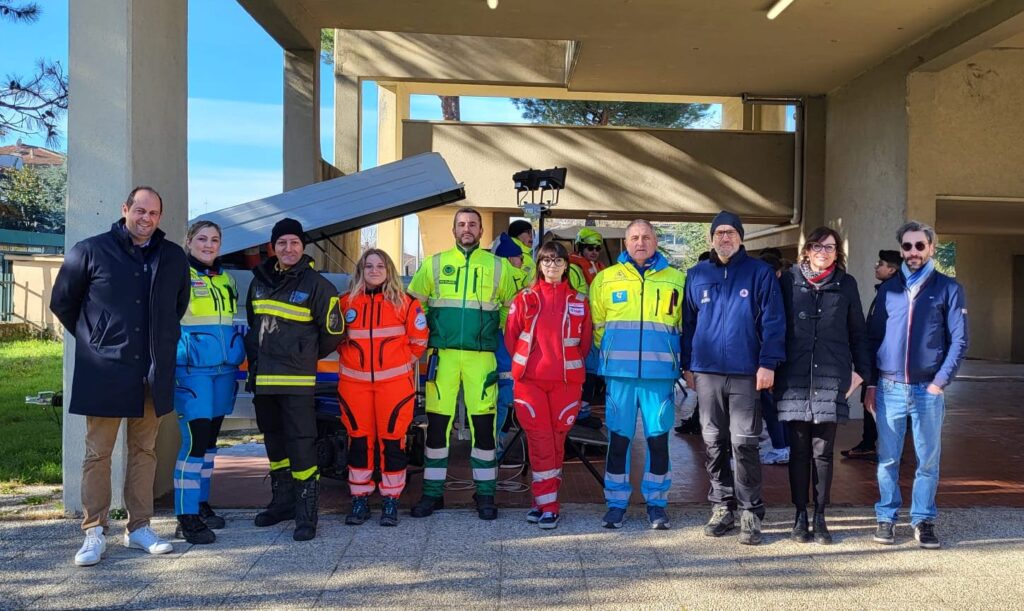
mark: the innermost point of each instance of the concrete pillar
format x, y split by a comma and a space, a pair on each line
392, 109
732, 114
301, 117
347, 119
126, 127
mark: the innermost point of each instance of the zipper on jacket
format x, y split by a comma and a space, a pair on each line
640, 347
372, 372
910, 320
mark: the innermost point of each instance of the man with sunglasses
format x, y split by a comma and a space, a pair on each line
585, 262
887, 266
918, 333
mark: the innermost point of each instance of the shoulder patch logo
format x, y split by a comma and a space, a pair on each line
421, 321
350, 315
705, 296
298, 297
448, 270
619, 296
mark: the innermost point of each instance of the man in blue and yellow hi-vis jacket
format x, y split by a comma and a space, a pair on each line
637, 307
734, 337
294, 320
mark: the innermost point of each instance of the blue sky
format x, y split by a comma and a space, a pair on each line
235, 99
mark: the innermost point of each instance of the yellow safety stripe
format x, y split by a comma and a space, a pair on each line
214, 319
305, 474
276, 465
280, 309
285, 380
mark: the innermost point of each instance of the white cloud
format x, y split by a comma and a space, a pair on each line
214, 187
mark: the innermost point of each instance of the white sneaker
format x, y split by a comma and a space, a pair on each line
145, 539
775, 457
93, 548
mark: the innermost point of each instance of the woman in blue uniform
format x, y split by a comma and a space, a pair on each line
209, 353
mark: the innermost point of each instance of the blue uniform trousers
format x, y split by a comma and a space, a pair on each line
653, 399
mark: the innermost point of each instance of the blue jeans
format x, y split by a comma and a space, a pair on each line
894, 402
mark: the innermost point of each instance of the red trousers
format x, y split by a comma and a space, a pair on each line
546, 411
377, 416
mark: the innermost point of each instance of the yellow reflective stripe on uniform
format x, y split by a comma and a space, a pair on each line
636, 325
378, 332
282, 310
190, 320
284, 380
280, 464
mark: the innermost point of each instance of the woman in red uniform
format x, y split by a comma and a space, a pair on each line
386, 333
548, 334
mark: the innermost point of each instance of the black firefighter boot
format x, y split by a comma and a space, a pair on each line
307, 495
282, 503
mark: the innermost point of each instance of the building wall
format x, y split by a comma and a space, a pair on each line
967, 139
33, 283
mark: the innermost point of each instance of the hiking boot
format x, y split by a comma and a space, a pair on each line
801, 532
145, 539
306, 500
485, 507
821, 534
885, 533
282, 503
722, 521
360, 510
534, 515
614, 517
750, 528
426, 506
93, 548
548, 520
924, 532
389, 512
658, 518
211, 519
194, 530
861, 450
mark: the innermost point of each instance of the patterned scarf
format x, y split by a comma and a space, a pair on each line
816, 278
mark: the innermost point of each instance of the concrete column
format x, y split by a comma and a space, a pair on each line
301, 117
347, 120
126, 127
392, 109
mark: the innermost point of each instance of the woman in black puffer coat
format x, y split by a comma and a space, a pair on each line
827, 356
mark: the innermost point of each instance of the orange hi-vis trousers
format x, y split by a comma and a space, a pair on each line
377, 416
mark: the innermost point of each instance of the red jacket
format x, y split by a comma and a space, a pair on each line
381, 341
548, 333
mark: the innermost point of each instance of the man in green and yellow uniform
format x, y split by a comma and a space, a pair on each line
466, 292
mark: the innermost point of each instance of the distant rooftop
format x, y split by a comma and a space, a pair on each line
32, 156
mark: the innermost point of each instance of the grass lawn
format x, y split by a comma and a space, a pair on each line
30, 441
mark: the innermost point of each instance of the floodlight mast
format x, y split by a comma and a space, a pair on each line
548, 183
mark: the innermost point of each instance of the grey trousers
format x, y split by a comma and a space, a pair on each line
730, 418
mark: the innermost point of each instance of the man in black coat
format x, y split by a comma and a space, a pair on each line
122, 294
886, 267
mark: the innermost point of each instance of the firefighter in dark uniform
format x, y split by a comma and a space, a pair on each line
294, 321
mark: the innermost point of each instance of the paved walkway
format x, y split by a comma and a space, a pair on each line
453, 560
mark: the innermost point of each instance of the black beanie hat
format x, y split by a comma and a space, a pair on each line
287, 226
892, 257
519, 227
727, 218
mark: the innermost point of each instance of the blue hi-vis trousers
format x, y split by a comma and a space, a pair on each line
653, 399
200, 401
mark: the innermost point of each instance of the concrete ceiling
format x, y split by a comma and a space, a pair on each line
698, 47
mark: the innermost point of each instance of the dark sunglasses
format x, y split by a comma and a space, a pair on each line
919, 246
592, 247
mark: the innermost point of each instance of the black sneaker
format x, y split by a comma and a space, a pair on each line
211, 519
885, 533
750, 528
534, 515
360, 510
924, 532
548, 521
192, 529
860, 451
426, 506
722, 521
389, 512
485, 507
614, 517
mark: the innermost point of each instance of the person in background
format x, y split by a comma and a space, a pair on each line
209, 353
826, 359
521, 232
691, 425
506, 248
548, 332
887, 266
584, 265
778, 454
386, 334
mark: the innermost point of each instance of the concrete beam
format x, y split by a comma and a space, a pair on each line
286, 21
982, 29
392, 109
126, 127
467, 59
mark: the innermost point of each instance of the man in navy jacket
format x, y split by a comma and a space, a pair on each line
734, 336
918, 333
121, 294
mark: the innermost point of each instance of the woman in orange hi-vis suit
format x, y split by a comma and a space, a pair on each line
386, 333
